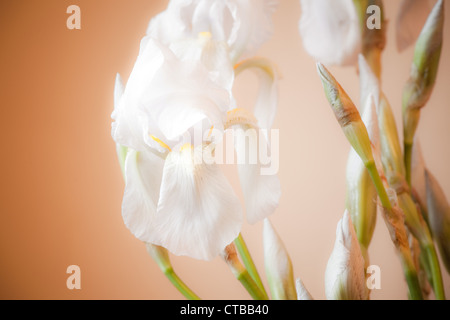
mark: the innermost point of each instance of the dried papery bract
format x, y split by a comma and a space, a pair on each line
394, 168
395, 223
278, 265
418, 258
420, 85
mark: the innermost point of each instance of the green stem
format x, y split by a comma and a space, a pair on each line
161, 256
435, 269
415, 293
250, 285
410, 272
407, 159
248, 262
180, 285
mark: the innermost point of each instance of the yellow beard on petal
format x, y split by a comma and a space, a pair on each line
186, 146
205, 35
239, 116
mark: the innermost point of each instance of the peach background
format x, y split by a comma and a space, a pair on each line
61, 185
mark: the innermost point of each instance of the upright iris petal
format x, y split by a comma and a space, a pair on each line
244, 25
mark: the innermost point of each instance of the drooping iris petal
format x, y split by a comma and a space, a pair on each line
411, 18
261, 191
344, 275
267, 100
198, 212
143, 173
330, 31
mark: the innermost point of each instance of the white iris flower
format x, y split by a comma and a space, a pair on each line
175, 196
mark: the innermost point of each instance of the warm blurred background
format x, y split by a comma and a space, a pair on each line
61, 186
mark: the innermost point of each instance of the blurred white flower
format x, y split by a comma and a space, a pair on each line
330, 30
344, 275
244, 25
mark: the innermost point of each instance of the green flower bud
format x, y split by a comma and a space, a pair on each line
347, 115
423, 70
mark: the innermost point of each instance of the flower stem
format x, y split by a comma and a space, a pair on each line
415, 293
248, 262
251, 286
407, 156
180, 285
435, 271
161, 256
